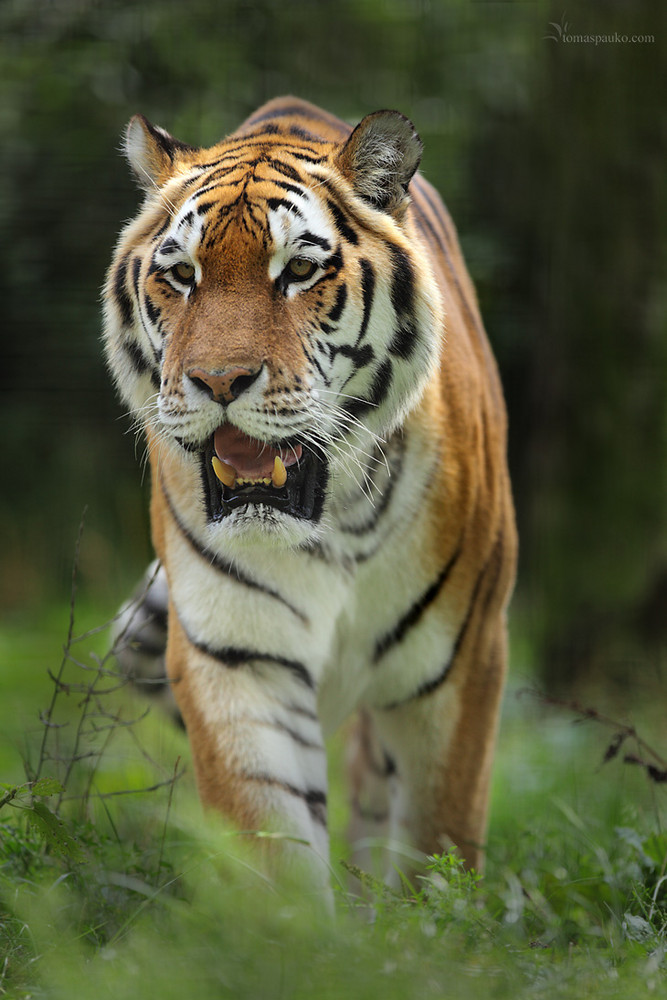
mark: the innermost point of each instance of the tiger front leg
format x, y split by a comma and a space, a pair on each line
257, 749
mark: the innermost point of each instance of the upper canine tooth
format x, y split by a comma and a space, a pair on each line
279, 474
225, 473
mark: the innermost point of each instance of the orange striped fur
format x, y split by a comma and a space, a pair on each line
295, 297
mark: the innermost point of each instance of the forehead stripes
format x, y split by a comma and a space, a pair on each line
245, 193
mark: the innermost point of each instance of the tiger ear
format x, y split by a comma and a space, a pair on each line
151, 152
380, 158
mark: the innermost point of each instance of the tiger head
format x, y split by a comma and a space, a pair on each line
270, 315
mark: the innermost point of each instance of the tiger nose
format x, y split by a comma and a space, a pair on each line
226, 386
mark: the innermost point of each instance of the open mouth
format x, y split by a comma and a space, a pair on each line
238, 470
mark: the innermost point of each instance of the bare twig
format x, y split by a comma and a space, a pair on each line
95, 680
655, 769
63, 663
174, 779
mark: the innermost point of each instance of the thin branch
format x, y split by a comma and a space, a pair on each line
623, 732
166, 820
70, 634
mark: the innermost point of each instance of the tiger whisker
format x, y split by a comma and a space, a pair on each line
355, 428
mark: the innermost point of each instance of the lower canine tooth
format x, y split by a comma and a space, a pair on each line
279, 475
225, 473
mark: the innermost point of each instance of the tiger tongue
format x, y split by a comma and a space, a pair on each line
251, 458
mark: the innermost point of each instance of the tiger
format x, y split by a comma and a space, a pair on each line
290, 322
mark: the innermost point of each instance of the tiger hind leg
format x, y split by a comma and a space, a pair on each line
443, 744
140, 639
369, 775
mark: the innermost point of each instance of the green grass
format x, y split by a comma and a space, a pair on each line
137, 895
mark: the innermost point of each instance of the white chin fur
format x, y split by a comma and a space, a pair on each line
259, 524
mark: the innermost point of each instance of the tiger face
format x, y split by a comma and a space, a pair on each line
270, 320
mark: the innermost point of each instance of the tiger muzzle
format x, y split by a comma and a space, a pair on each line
240, 471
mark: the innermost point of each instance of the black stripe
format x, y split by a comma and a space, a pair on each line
292, 110
335, 261
123, 300
403, 284
204, 206
428, 687
326, 184
293, 209
381, 383
302, 133
361, 557
411, 617
377, 393
379, 509
269, 129
339, 304
235, 148
136, 272
361, 356
367, 291
170, 244
136, 357
315, 799
404, 340
315, 160
315, 363
285, 186
152, 311
284, 168
292, 733
228, 568
234, 657
300, 710
140, 364
497, 555
312, 240
341, 223
155, 267
389, 765
303, 113
215, 185
162, 230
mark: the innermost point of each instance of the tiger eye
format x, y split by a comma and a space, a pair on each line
301, 268
184, 272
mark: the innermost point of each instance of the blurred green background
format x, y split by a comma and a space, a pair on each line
551, 155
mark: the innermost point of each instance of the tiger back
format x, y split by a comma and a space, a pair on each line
290, 320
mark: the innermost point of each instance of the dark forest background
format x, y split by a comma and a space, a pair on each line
551, 155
